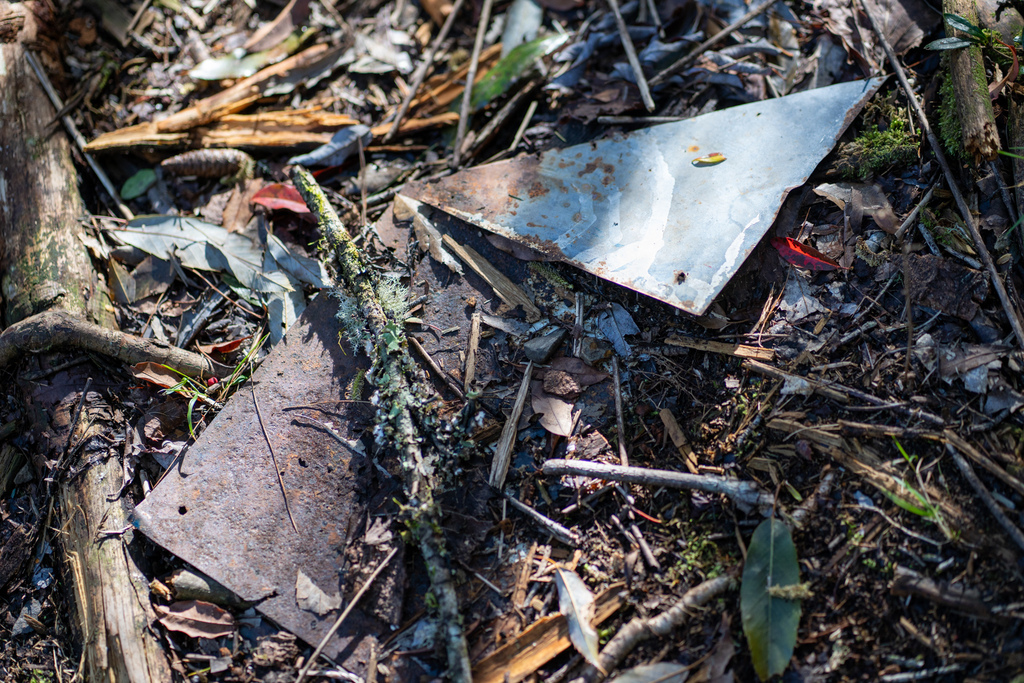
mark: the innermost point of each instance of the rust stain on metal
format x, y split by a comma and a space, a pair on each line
221, 510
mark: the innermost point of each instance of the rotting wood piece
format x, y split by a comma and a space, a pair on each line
973, 104
57, 329
45, 263
277, 129
540, 642
42, 258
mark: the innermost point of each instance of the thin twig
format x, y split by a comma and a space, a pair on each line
912, 216
467, 92
415, 343
909, 308
965, 211
746, 494
273, 456
549, 525
689, 59
421, 70
76, 136
362, 180
623, 455
972, 478
634, 61
348, 608
74, 419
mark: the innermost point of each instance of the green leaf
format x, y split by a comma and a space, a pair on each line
959, 23
510, 68
947, 44
770, 624
138, 184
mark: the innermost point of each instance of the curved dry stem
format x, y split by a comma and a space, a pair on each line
639, 630
60, 329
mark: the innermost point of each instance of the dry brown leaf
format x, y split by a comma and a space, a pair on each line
273, 32
557, 415
155, 373
580, 371
196, 619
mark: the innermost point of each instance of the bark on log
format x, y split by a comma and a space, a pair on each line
44, 265
973, 104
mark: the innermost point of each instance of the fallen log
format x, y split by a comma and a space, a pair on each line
45, 266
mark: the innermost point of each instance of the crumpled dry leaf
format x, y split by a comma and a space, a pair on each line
798, 301
576, 602
196, 619
311, 597
557, 415
714, 669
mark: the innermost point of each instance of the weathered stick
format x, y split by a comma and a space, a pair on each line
961, 203
840, 392
59, 329
399, 400
746, 494
467, 93
634, 61
986, 497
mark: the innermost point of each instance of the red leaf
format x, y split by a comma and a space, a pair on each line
222, 347
281, 196
803, 256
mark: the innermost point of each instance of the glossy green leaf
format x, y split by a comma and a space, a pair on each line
511, 68
138, 184
961, 24
947, 44
770, 623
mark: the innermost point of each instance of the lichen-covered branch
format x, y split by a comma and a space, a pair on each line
400, 410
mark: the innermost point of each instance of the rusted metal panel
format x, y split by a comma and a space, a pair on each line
636, 210
222, 509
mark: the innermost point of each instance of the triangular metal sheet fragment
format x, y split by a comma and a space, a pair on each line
636, 210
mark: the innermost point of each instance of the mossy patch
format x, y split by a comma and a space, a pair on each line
876, 151
886, 143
